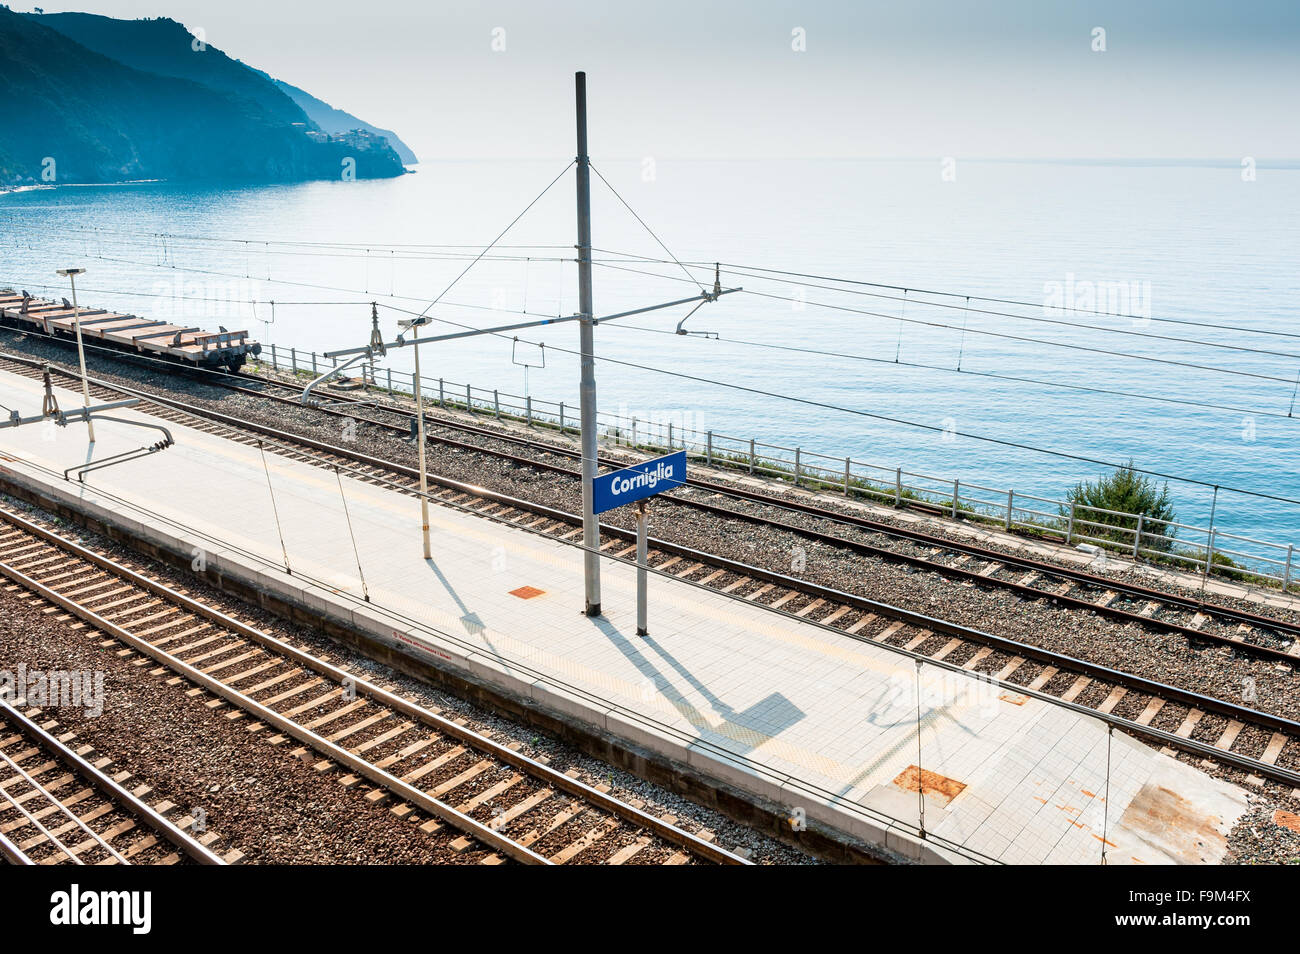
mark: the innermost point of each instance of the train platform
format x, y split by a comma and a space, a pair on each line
804, 720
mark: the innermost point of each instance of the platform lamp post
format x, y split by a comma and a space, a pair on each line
414, 325
71, 275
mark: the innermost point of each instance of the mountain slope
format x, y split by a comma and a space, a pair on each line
336, 121
166, 48
102, 121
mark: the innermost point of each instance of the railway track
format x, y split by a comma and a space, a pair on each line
439, 773
59, 804
1197, 620
1265, 745
1200, 622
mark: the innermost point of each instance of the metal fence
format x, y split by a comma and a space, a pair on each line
1206, 549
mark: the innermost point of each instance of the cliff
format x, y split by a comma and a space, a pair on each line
144, 101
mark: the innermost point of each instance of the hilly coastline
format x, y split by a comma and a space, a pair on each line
85, 98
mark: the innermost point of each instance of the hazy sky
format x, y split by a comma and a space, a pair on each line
695, 78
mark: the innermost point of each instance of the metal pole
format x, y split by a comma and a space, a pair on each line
797, 453
81, 353
1209, 542
642, 562
1137, 537
708, 453
424, 474
847, 464
1011, 499
587, 348
1286, 579
920, 776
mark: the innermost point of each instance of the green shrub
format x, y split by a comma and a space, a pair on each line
1129, 492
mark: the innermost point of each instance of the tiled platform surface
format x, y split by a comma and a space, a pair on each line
783, 709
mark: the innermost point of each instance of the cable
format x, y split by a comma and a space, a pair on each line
902, 317
232, 301
823, 405
984, 374
1039, 319
644, 226
317, 285
294, 242
360, 254
966, 310
944, 294
979, 331
499, 236
736, 270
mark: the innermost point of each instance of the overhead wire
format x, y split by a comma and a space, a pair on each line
918, 365
500, 235
967, 310
949, 294
322, 287
826, 405
1038, 319
725, 339
982, 331
736, 269
620, 198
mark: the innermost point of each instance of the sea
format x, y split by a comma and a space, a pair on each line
1140, 312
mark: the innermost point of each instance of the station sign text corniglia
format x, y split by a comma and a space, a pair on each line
639, 481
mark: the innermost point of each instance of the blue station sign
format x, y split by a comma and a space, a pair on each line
639, 481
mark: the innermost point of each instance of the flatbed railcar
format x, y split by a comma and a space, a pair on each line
188, 345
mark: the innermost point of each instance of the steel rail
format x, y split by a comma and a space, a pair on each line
391, 700
286, 725
860, 602
105, 783
1128, 589
61, 808
1004, 644
12, 854
1136, 591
